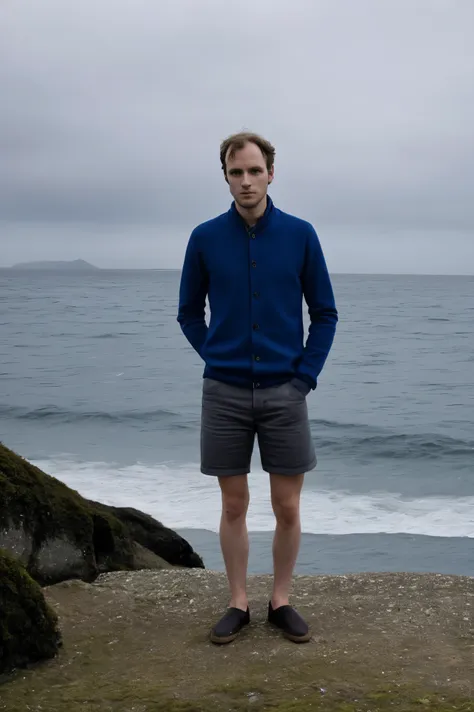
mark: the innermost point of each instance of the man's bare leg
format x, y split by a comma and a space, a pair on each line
286, 492
285, 496
234, 536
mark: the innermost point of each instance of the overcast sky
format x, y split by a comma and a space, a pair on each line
112, 112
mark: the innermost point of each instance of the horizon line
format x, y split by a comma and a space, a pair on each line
178, 269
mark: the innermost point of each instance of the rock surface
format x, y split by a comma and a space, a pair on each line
28, 626
60, 535
139, 641
154, 536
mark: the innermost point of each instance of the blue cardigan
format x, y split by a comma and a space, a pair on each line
255, 280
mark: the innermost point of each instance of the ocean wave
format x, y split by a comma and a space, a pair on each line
352, 440
63, 415
423, 446
114, 335
179, 496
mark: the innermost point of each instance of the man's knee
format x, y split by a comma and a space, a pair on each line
287, 512
235, 497
285, 492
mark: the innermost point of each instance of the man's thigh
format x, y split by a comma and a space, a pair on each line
283, 430
227, 429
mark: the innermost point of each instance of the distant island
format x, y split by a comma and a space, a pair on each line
71, 265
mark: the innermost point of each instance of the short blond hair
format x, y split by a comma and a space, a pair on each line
238, 140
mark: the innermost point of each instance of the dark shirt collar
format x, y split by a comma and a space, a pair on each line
262, 221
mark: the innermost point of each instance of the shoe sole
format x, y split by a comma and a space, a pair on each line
294, 638
219, 640
298, 638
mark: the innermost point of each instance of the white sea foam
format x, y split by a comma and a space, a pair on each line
182, 498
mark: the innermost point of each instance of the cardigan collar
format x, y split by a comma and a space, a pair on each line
262, 221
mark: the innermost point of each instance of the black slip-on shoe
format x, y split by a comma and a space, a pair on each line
289, 621
230, 625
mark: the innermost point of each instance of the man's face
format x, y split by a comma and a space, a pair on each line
248, 176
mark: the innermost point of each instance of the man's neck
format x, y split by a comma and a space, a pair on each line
251, 216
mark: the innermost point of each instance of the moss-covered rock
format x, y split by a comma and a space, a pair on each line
28, 626
154, 536
60, 535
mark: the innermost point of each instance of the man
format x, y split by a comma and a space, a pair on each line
255, 264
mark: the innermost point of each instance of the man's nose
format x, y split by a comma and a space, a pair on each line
246, 181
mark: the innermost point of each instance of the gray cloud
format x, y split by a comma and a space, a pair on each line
112, 114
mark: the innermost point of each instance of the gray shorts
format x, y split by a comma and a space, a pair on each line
232, 416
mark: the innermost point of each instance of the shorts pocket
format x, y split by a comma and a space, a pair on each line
210, 385
296, 391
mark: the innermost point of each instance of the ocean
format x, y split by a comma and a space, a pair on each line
99, 388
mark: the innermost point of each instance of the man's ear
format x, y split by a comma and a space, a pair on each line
271, 174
